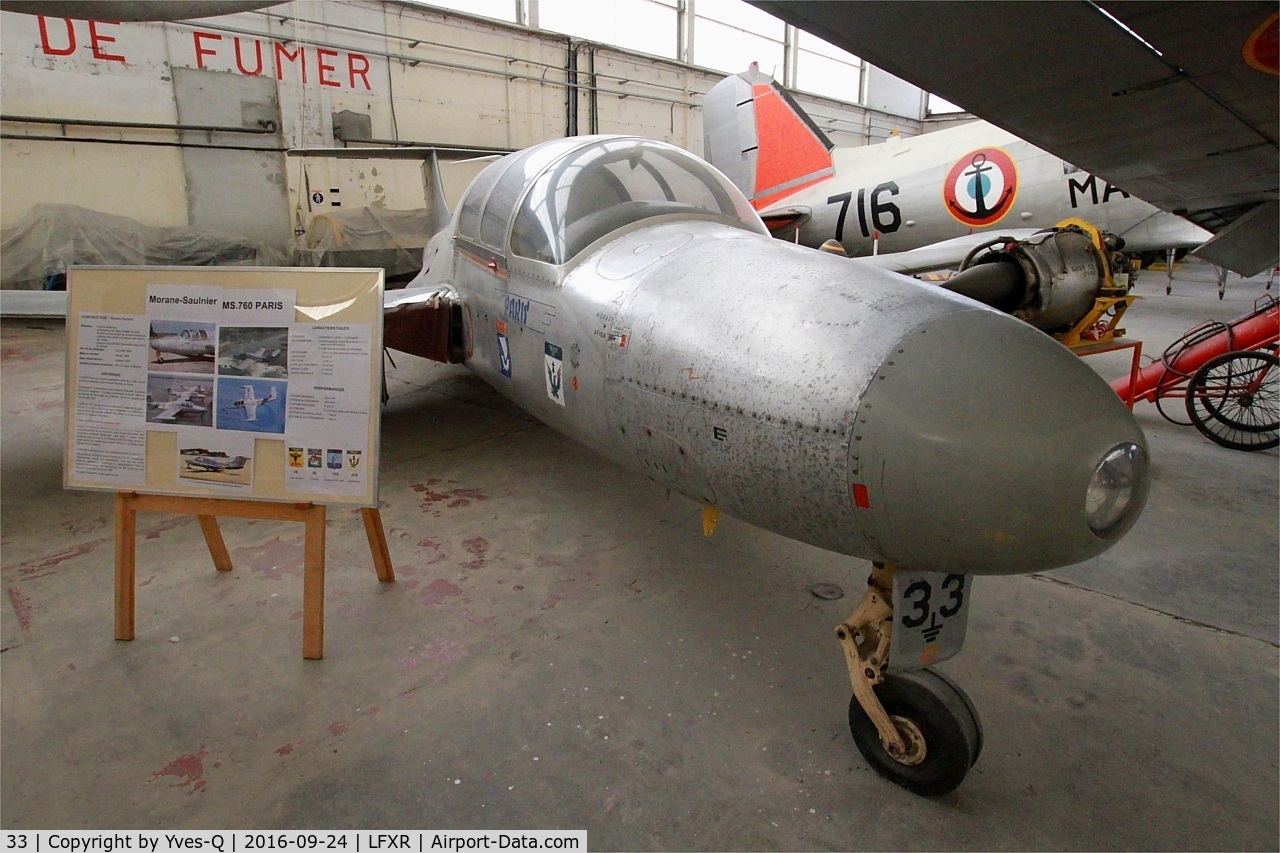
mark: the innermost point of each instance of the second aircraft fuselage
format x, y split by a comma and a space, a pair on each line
967, 179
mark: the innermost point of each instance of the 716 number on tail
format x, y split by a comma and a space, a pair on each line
885, 215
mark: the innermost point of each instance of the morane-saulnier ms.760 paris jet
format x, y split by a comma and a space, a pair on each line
216, 464
188, 344
624, 292
250, 402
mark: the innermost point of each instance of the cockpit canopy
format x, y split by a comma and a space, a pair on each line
555, 199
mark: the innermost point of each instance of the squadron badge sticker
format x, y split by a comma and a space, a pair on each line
981, 187
504, 355
553, 356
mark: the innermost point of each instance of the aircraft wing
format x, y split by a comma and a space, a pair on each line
423, 321
445, 153
170, 411
134, 10
431, 157
1175, 103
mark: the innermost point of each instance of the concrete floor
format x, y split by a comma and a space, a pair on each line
564, 649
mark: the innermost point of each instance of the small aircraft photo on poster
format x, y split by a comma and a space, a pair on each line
218, 467
253, 351
182, 346
251, 405
170, 400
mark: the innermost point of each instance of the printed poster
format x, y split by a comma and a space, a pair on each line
219, 370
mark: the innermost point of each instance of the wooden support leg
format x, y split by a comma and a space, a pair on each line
313, 585
213, 538
126, 560
313, 516
378, 544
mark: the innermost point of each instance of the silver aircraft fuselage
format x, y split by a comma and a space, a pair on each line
190, 343
848, 407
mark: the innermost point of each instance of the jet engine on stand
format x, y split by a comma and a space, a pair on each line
1071, 281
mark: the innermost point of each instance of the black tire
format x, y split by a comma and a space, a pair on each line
944, 719
971, 721
1234, 400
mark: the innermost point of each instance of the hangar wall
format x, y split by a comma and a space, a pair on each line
186, 123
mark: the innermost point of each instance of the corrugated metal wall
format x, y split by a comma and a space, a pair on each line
271, 80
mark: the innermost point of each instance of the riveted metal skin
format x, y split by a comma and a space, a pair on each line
759, 382
991, 456
844, 406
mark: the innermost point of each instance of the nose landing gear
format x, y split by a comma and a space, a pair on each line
916, 728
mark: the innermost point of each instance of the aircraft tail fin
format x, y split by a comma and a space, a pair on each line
761, 139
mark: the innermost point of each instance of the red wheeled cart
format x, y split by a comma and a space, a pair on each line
1231, 377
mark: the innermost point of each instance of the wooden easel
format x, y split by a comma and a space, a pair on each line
129, 504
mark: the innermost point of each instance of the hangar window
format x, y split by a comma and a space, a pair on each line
601, 187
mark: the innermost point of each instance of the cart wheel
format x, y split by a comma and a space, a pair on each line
938, 723
1234, 399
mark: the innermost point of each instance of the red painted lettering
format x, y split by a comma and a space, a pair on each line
362, 72
320, 55
97, 39
50, 50
201, 50
296, 56
257, 47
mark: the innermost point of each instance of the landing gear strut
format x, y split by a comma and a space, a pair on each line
917, 729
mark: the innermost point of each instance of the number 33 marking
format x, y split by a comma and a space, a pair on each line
920, 593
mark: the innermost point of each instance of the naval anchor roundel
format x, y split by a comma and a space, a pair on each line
981, 187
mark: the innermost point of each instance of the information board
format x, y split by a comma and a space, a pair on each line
229, 382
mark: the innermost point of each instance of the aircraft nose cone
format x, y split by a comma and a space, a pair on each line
983, 446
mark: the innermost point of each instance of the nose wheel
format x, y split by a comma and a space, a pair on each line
937, 724
917, 728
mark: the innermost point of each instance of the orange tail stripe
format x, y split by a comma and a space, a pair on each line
789, 150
